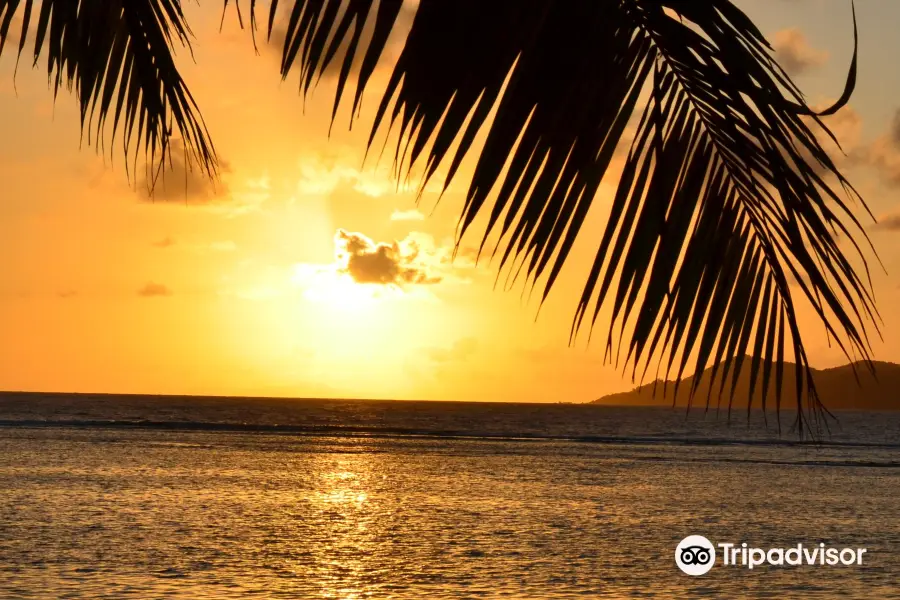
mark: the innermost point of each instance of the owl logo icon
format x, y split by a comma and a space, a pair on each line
695, 555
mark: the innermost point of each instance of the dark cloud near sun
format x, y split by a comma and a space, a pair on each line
398, 263
154, 290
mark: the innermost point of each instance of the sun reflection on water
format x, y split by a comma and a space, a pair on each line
346, 497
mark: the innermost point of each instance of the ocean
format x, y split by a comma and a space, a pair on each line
148, 497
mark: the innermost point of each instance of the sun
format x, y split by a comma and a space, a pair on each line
335, 290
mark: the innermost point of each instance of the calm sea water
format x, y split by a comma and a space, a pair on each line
200, 498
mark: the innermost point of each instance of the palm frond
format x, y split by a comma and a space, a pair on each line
117, 57
723, 196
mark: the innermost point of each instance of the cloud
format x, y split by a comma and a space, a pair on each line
888, 223
465, 257
166, 242
407, 215
323, 173
461, 350
794, 52
66, 294
181, 181
154, 290
405, 268
221, 246
398, 263
882, 154
846, 125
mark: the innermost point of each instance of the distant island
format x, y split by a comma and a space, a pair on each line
838, 389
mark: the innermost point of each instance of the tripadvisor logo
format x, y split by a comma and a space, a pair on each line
696, 555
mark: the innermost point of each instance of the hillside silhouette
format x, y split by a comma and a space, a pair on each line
838, 389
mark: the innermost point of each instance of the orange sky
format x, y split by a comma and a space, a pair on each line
237, 288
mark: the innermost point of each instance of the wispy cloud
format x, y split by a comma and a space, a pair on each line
888, 223
464, 257
166, 242
882, 154
154, 290
181, 181
322, 174
794, 52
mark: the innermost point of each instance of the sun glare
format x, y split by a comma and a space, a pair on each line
338, 291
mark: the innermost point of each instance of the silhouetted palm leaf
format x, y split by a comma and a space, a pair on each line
117, 55
722, 195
